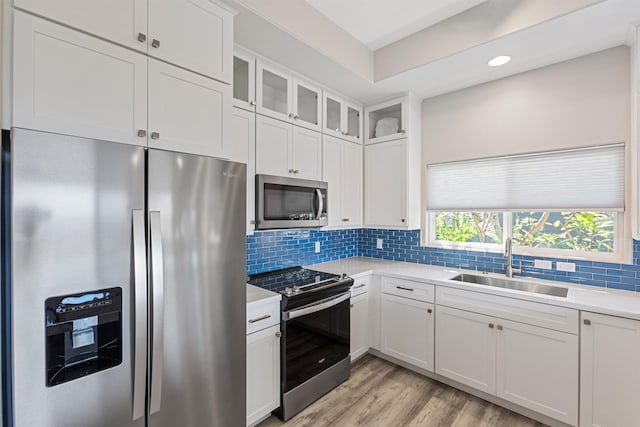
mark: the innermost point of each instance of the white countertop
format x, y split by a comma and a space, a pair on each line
255, 294
581, 297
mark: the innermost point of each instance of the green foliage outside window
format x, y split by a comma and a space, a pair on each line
576, 231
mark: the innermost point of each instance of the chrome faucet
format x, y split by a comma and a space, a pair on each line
508, 252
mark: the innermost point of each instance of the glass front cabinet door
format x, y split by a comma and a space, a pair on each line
342, 119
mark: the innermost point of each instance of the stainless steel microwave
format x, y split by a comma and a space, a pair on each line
290, 202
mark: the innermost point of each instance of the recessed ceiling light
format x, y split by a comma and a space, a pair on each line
499, 60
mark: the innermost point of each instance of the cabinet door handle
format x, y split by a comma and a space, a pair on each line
338, 130
258, 319
345, 219
296, 117
402, 131
142, 133
403, 220
404, 289
291, 170
252, 103
429, 311
499, 327
491, 325
587, 322
359, 286
278, 334
351, 305
155, 43
296, 171
155, 135
142, 37
291, 115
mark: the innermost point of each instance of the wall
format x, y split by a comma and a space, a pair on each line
581, 102
274, 250
277, 249
404, 245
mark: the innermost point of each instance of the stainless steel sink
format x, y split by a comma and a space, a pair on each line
535, 288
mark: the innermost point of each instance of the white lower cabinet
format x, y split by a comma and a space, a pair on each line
537, 369
609, 373
359, 320
531, 366
407, 330
466, 348
263, 373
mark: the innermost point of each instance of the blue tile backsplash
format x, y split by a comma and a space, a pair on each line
273, 250
404, 245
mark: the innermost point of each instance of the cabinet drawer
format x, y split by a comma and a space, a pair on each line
360, 286
262, 315
537, 314
408, 289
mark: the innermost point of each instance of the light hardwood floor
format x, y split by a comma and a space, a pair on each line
381, 394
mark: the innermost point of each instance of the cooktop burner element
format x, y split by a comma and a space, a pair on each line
293, 281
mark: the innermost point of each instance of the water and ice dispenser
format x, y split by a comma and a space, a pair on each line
84, 334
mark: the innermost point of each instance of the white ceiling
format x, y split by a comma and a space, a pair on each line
377, 23
601, 26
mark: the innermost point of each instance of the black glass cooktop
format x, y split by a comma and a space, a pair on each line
279, 280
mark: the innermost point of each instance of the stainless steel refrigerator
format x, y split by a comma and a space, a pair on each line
125, 272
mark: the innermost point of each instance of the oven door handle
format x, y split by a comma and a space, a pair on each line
313, 308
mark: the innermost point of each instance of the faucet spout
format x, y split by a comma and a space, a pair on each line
508, 252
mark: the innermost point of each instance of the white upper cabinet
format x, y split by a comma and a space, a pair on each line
71, 83
121, 21
244, 80
609, 374
385, 181
188, 112
386, 121
282, 96
342, 169
286, 150
193, 34
341, 118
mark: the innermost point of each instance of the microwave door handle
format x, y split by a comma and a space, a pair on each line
140, 314
321, 305
320, 203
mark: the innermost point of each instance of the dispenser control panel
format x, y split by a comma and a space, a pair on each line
83, 334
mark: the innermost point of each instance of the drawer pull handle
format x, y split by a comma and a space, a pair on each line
587, 322
429, 311
499, 327
278, 334
404, 289
258, 319
359, 286
351, 305
491, 325
155, 43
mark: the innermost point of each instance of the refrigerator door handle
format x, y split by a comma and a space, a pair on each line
140, 302
157, 289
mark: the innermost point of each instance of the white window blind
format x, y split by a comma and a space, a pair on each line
578, 180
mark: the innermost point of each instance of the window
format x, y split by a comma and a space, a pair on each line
549, 233
565, 203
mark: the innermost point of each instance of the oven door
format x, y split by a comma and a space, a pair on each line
316, 337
